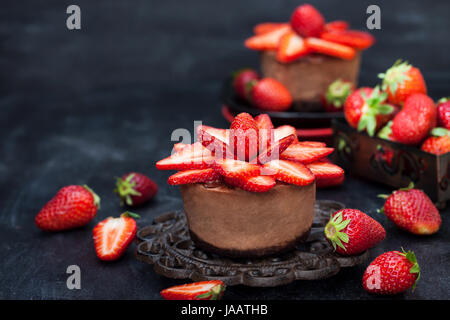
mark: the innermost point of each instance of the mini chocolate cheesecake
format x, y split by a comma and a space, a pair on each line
236, 223
308, 78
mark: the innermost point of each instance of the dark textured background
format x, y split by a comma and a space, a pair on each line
85, 106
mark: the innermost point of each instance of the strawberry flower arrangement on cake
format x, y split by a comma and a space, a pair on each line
252, 155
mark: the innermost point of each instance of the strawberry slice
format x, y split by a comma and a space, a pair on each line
267, 41
112, 236
203, 290
211, 138
193, 156
291, 47
266, 27
322, 170
284, 131
339, 25
273, 151
290, 172
221, 134
299, 153
194, 176
330, 48
177, 147
357, 39
312, 144
263, 121
253, 184
231, 168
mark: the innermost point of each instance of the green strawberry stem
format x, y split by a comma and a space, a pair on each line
130, 214
215, 293
125, 189
440, 132
333, 231
395, 75
337, 92
415, 268
96, 197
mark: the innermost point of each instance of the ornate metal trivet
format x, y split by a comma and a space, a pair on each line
166, 244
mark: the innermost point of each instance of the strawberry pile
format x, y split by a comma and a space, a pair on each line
400, 110
252, 155
307, 32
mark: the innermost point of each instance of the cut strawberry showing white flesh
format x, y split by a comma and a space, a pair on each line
112, 236
273, 151
194, 176
290, 172
291, 47
211, 138
327, 174
267, 41
231, 168
302, 154
253, 184
193, 156
312, 144
204, 290
284, 131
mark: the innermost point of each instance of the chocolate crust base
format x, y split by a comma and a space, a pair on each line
257, 253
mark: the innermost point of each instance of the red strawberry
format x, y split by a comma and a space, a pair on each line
402, 80
112, 236
269, 94
330, 48
266, 27
71, 207
194, 176
194, 156
412, 210
334, 98
291, 47
244, 137
386, 132
263, 122
312, 144
221, 134
443, 113
267, 41
135, 188
392, 272
273, 151
290, 172
240, 80
253, 184
265, 131
204, 290
439, 143
356, 39
177, 147
284, 131
365, 109
327, 174
297, 152
307, 21
336, 25
415, 121
352, 232
231, 168
212, 140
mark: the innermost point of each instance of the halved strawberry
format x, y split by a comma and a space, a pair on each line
290, 172
263, 121
203, 290
284, 131
267, 41
112, 236
231, 168
330, 48
194, 176
325, 170
253, 184
266, 27
302, 154
177, 147
243, 137
291, 47
312, 144
356, 39
211, 138
194, 156
273, 151
337, 25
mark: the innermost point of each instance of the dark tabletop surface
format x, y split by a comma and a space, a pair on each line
81, 107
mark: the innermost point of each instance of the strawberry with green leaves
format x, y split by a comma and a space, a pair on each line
334, 98
438, 143
135, 189
240, 80
402, 80
392, 272
352, 232
443, 113
412, 210
203, 290
366, 109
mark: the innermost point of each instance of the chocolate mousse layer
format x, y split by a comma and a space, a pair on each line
236, 223
308, 78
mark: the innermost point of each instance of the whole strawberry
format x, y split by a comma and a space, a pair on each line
72, 207
333, 99
244, 136
269, 94
412, 210
443, 113
415, 121
307, 21
392, 272
366, 110
351, 232
402, 80
439, 143
135, 189
240, 80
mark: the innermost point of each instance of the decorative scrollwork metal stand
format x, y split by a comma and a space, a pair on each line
167, 246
